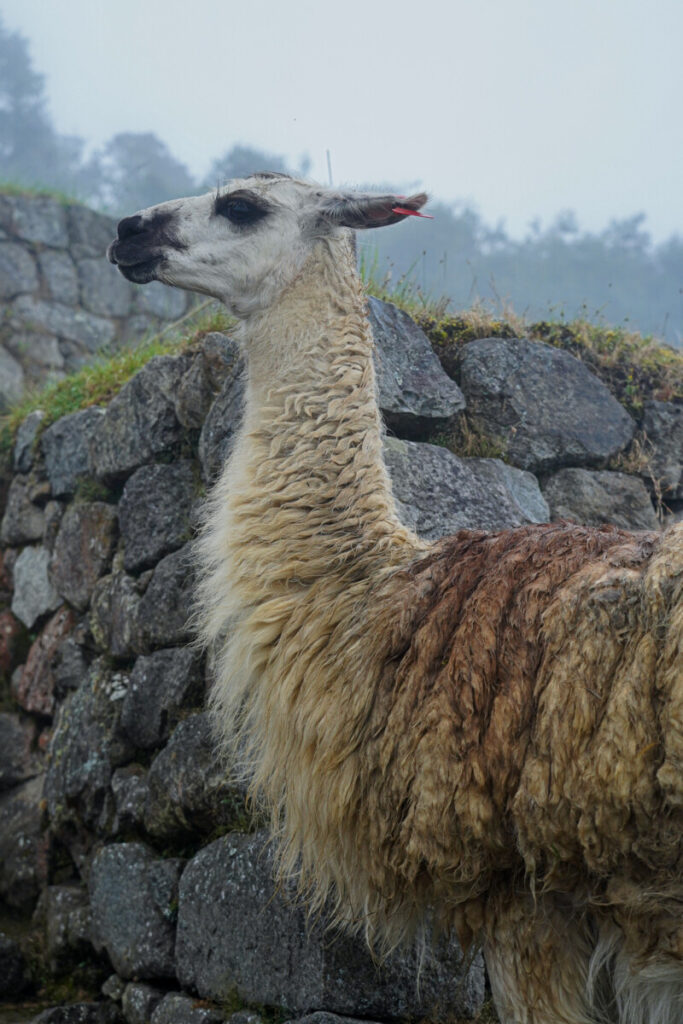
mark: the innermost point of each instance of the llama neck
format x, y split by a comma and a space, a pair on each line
303, 520
302, 546
314, 485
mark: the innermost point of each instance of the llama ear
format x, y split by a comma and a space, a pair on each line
366, 210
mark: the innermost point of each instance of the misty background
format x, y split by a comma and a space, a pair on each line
549, 138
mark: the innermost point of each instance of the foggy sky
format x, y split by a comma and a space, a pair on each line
520, 107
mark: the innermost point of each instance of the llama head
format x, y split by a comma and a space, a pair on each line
245, 243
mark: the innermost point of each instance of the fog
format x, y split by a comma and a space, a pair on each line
522, 107
514, 109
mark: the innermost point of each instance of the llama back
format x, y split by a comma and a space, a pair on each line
532, 679
610, 707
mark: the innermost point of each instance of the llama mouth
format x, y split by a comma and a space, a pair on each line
141, 273
134, 269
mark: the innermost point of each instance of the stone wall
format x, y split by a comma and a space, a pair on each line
61, 302
122, 844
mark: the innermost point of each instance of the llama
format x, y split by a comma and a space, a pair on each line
484, 732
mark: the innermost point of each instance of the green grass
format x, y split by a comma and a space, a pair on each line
634, 367
468, 442
405, 292
97, 383
14, 188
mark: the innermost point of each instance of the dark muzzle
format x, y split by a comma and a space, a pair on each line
140, 245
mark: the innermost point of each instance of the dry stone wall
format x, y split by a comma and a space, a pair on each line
122, 843
61, 302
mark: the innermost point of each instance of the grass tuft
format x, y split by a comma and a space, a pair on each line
634, 368
100, 381
468, 442
405, 292
15, 188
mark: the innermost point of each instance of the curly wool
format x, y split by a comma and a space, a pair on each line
495, 715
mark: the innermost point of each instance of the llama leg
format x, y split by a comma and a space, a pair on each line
652, 994
537, 954
645, 991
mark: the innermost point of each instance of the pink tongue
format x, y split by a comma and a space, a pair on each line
410, 213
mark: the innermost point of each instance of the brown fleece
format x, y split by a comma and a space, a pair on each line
519, 723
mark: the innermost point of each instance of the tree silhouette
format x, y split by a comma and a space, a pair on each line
241, 160
31, 151
138, 170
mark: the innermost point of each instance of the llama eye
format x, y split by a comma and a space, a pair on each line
239, 211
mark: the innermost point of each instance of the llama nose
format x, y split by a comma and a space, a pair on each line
130, 226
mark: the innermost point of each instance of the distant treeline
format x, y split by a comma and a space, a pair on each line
618, 275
